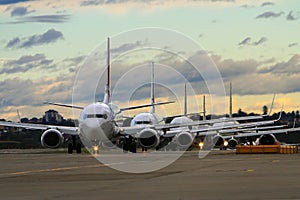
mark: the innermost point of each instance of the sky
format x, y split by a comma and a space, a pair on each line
45, 44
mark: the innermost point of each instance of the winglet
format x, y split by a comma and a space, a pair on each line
19, 118
272, 104
280, 113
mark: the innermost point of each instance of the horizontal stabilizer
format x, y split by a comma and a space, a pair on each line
64, 105
145, 105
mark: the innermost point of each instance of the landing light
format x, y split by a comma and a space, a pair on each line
95, 148
201, 145
225, 143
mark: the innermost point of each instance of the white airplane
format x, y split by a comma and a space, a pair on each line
96, 123
146, 137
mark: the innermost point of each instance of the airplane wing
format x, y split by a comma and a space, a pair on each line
145, 105
64, 105
215, 130
171, 133
121, 109
245, 125
243, 130
65, 129
263, 133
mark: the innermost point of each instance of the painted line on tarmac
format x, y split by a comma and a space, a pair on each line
57, 169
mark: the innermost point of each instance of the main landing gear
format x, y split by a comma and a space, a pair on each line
129, 144
73, 144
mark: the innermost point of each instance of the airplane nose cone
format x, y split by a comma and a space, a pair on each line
93, 124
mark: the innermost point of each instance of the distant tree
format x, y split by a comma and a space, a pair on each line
241, 113
293, 114
265, 110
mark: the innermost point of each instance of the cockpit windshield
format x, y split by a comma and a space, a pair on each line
103, 116
142, 122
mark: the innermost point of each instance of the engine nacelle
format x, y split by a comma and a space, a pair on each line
184, 139
148, 138
268, 139
232, 143
218, 140
108, 145
52, 139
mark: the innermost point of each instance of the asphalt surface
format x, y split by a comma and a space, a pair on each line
220, 175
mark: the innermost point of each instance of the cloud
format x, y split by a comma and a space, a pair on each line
74, 60
230, 68
16, 91
293, 44
20, 11
247, 6
247, 41
269, 15
6, 2
292, 16
92, 2
267, 4
127, 47
249, 78
50, 36
291, 67
26, 63
153, 2
260, 41
43, 19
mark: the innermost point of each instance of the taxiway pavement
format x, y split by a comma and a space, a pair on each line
220, 175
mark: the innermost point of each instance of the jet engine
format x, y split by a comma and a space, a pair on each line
232, 143
184, 139
218, 140
267, 139
52, 139
148, 138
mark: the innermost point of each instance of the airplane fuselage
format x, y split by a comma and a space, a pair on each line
96, 123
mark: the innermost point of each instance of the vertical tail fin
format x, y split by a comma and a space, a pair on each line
185, 101
107, 87
19, 117
230, 100
152, 109
204, 108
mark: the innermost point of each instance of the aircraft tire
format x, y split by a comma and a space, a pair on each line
125, 146
78, 148
133, 147
70, 148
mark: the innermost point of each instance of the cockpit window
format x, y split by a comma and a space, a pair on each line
142, 122
104, 116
